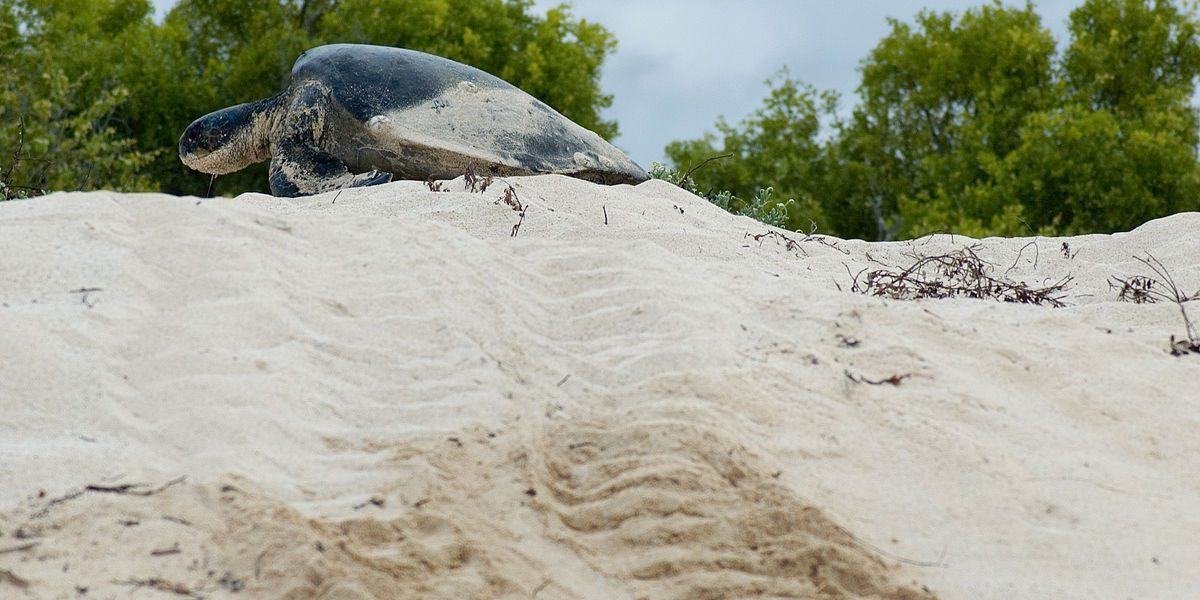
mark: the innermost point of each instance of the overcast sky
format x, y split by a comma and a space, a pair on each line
680, 64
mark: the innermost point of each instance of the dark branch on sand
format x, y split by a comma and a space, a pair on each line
893, 380
132, 488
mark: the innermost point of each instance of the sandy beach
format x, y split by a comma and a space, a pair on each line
385, 393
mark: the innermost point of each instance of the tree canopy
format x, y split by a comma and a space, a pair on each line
96, 93
975, 123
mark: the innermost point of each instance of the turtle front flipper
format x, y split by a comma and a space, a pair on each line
300, 165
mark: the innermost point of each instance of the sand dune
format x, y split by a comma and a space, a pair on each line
383, 393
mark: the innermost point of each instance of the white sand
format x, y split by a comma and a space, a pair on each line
656, 407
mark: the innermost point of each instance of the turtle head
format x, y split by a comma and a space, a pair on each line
229, 139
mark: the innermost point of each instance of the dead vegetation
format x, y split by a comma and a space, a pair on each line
792, 244
895, 379
132, 489
958, 274
473, 182
163, 585
476, 184
512, 201
435, 186
1160, 287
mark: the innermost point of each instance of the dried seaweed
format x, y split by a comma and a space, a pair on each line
958, 274
1161, 287
792, 244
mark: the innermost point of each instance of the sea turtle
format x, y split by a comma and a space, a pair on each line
356, 115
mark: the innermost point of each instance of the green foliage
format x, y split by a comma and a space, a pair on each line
1130, 74
61, 132
141, 83
973, 123
1132, 56
942, 104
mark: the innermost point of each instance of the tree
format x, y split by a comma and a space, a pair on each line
1120, 148
62, 131
942, 103
975, 124
1132, 56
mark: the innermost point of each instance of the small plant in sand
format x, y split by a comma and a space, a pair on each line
958, 274
17, 192
1160, 287
760, 208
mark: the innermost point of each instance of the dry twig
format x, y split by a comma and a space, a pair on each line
892, 380
702, 163
166, 551
162, 585
132, 488
1036, 254
125, 488
790, 243
20, 548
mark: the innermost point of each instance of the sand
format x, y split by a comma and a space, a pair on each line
383, 393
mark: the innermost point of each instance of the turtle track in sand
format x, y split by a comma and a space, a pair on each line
649, 507
679, 510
